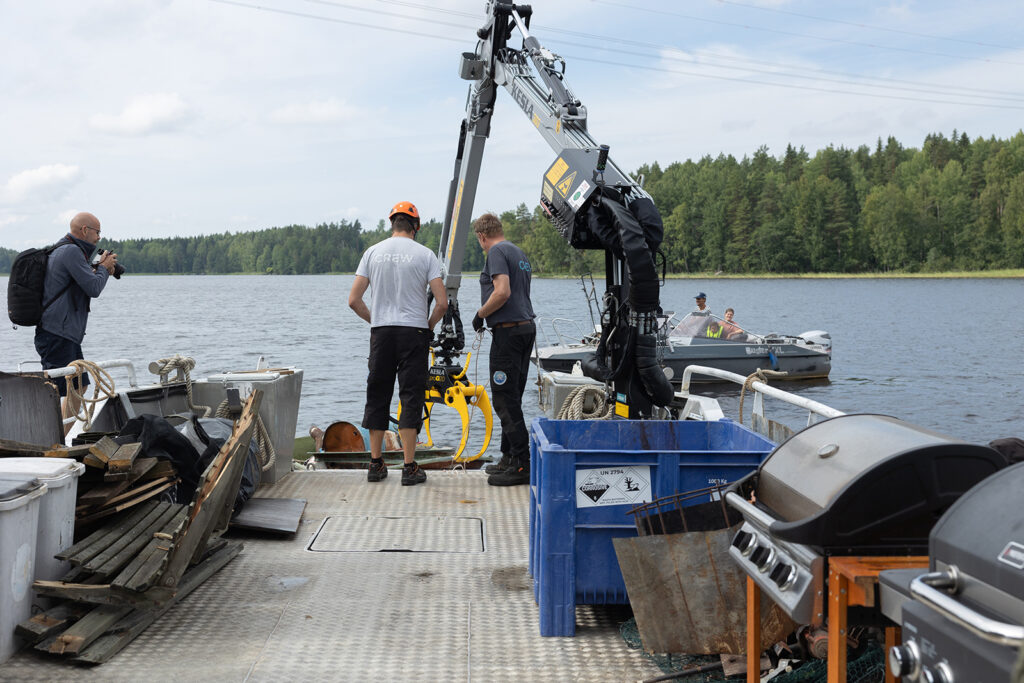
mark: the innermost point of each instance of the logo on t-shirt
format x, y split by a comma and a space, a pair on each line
525, 265
396, 258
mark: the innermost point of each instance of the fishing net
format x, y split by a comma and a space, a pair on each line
866, 665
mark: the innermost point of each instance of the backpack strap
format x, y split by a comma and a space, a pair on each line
64, 240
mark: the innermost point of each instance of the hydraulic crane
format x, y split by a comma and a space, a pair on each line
590, 200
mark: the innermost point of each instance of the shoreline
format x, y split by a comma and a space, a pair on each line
1005, 273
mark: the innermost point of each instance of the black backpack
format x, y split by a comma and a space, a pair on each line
25, 304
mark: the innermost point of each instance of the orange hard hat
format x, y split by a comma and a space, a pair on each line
407, 208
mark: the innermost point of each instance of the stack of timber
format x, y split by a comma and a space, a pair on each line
133, 569
116, 479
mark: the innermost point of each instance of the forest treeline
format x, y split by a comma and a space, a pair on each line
953, 204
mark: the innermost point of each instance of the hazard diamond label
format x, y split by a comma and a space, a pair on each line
613, 486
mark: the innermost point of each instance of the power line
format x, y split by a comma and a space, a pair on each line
613, 63
999, 94
863, 25
613, 3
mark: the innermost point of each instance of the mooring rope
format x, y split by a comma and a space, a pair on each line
759, 375
572, 407
185, 364
85, 407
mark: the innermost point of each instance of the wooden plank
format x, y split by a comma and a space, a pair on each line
51, 622
125, 505
123, 459
153, 555
102, 450
99, 494
274, 515
96, 594
10, 447
100, 536
119, 554
753, 631
162, 468
87, 629
138, 490
129, 628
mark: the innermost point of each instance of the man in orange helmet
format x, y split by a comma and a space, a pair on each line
398, 271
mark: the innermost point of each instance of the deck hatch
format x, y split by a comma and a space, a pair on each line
420, 534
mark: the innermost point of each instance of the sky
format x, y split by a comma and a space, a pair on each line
189, 117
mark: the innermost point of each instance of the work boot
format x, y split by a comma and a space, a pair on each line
515, 474
378, 470
413, 474
500, 465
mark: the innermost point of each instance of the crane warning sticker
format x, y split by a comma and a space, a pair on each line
613, 486
565, 184
556, 171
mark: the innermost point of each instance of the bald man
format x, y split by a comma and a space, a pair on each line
71, 281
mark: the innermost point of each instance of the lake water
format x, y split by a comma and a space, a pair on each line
944, 354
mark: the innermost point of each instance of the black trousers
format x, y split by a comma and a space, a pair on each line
509, 366
403, 352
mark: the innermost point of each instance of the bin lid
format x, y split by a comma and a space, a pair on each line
54, 472
17, 492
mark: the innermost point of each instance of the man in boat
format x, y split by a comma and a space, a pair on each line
701, 299
398, 271
505, 305
71, 281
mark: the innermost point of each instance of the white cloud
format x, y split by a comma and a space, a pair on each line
64, 217
331, 110
49, 182
9, 219
154, 113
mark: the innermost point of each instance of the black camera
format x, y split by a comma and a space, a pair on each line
118, 268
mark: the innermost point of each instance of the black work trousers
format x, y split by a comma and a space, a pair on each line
509, 366
403, 352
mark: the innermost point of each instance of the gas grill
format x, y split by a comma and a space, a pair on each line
854, 485
964, 619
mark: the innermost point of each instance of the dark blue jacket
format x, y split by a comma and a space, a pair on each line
69, 263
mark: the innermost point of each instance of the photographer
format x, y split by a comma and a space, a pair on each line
71, 280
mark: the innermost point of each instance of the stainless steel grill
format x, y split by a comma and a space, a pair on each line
851, 485
964, 619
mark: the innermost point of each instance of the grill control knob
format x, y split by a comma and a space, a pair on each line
905, 660
743, 541
783, 575
940, 674
762, 556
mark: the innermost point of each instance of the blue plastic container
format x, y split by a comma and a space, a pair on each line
585, 476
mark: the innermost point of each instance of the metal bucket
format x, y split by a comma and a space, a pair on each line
687, 594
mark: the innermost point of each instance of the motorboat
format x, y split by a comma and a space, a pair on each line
701, 338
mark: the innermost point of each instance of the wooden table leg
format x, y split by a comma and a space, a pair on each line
893, 637
753, 632
838, 595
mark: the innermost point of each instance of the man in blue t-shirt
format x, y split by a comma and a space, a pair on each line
505, 298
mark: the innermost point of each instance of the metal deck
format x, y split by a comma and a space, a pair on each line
454, 603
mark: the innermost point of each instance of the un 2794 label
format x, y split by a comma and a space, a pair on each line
613, 486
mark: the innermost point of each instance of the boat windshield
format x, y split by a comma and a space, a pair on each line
706, 325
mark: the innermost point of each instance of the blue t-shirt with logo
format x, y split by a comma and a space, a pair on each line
505, 258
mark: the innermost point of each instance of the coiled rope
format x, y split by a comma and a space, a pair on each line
759, 375
265, 447
164, 366
85, 407
573, 406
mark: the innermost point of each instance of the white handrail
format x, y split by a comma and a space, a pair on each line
760, 387
115, 363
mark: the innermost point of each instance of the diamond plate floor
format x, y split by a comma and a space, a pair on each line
280, 612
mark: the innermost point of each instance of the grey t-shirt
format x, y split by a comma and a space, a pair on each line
399, 270
505, 258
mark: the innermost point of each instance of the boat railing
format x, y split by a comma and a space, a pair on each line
703, 408
575, 336
104, 364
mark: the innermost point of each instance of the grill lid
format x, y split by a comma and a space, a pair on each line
867, 483
983, 532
